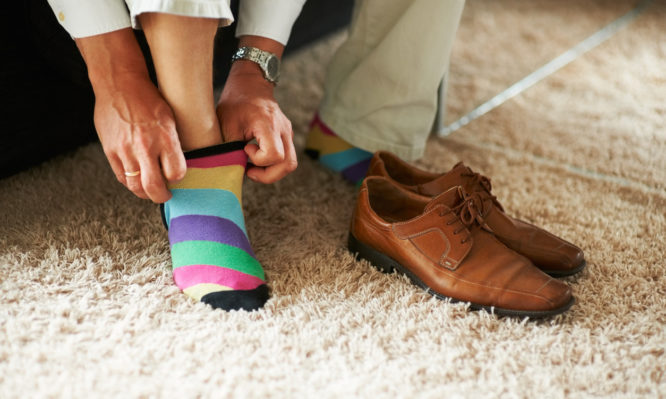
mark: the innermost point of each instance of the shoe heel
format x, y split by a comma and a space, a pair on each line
377, 259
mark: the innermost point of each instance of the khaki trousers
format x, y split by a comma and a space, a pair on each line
381, 86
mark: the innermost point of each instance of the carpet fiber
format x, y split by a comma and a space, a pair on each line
88, 307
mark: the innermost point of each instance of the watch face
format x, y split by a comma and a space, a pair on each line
272, 69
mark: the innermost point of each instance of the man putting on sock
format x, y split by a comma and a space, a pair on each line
173, 145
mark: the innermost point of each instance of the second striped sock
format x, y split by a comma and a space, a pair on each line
336, 154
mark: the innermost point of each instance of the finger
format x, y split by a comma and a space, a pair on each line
269, 174
133, 183
269, 150
278, 171
290, 150
117, 167
152, 180
173, 163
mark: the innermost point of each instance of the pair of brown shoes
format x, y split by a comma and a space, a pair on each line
450, 236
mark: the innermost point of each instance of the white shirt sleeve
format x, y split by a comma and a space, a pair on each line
82, 18
268, 18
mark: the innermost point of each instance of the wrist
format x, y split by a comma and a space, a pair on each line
112, 58
248, 70
243, 83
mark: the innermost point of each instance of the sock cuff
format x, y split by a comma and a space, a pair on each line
215, 150
316, 121
226, 154
214, 177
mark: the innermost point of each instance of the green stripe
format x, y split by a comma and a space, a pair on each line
194, 252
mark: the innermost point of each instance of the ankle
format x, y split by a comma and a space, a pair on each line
196, 137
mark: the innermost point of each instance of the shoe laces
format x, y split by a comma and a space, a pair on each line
479, 180
466, 214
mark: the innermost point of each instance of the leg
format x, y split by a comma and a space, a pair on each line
381, 87
212, 259
182, 50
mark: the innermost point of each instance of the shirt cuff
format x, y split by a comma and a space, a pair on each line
268, 18
90, 17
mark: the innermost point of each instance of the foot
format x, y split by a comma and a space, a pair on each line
336, 154
212, 259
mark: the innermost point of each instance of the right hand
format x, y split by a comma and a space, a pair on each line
138, 133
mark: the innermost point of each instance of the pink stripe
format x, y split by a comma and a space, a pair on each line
325, 129
237, 157
187, 276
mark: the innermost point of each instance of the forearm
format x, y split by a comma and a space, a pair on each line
111, 57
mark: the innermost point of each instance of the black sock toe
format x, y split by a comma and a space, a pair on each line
238, 299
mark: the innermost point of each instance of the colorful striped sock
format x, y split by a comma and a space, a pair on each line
336, 154
210, 252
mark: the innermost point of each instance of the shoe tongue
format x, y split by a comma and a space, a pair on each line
449, 198
450, 179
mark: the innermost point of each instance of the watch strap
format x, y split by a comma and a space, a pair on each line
260, 57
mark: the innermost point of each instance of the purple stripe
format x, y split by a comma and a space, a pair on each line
208, 228
357, 171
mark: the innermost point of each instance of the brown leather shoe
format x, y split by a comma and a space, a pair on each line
551, 254
441, 246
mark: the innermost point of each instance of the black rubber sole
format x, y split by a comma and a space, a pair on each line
567, 273
386, 264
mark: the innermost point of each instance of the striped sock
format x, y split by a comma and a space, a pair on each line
335, 153
210, 252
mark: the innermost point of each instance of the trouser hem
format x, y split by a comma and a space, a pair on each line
365, 136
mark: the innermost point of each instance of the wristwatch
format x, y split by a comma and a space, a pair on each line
268, 62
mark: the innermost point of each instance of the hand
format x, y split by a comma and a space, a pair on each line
138, 133
248, 110
134, 123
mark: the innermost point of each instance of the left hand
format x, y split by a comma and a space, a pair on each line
248, 110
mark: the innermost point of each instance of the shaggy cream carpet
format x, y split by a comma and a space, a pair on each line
88, 307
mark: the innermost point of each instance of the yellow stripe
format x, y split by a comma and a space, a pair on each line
324, 143
200, 290
228, 178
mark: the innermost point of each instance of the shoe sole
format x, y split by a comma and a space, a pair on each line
565, 273
388, 265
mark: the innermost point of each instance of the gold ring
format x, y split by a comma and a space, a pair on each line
132, 174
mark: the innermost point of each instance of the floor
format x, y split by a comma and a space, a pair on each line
89, 306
